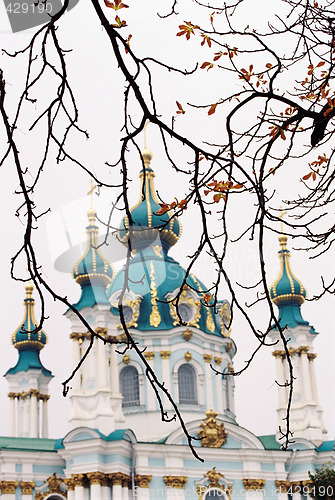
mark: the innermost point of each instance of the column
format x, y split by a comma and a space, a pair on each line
75, 360
70, 488
7, 489
311, 356
282, 400
209, 374
12, 414
27, 490
296, 490
175, 486
115, 388
306, 379
34, 427
45, 424
166, 377
126, 484
81, 487
151, 397
142, 485
105, 488
219, 385
101, 359
116, 479
282, 489
96, 479
25, 414
254, 489
20, 427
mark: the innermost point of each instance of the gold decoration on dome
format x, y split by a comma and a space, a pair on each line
165, 354
194, 304
142, 480
8, 487
157, 250
208, 358
225, 319
212, 434
155, 317
126, 359
188, 356
27, 487
135, 306
282, 486
253, 484
217, 360
149, 355
175, 481
210, 325
187, 334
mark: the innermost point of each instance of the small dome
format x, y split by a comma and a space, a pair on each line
286, 288
147, 223
23, 338
92, 266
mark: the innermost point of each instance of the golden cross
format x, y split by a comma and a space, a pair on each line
281, 215
91, 192
145, 133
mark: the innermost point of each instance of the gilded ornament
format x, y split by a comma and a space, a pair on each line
8, 487
311, 356
96, 477
302, 350
189, 300
188, 356
230, 368
282, 486
44, 397
155, 317
212, 434
116, 478
11, 395
210, 325
134, 305
80, 480
165, 354
149, 355
126, 359
295, 486
278, 354
69, 483
27, 487
229, 346
187, 334
175, 481
253, 484
54, 482
208, 358
225, 319
23, 395
34, 392
217, 360
102, 332
291, 351
142, 480
214, 477
157, 250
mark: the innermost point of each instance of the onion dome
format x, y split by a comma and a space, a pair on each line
27, 341
92, 271
147, 224
287, 292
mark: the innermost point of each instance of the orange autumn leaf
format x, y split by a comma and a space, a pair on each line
180, 110
164, 208
207, 298
212, 109
206, 39
187, 29
207, 65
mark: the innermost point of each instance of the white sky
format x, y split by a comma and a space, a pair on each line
99, 90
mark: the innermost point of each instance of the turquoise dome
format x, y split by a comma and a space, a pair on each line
286, 288
92, 271
154, 277
28, 343
23, 338
147, 225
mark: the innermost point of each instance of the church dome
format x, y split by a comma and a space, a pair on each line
286, 288
24, 337
147, 224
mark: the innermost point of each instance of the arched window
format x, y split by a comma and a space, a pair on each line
130, 388
187, 384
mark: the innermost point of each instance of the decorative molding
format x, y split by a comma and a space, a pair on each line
291, 351
253, 484
188, 356
208, 358
282, 486
211, 434
214, 477
27, 487
96, 478
149, 355
134, 305
217, 360
102, 332
116, 478
142, 480
279, 354
80, 480
69, 483
126, 359
8, 487
44, 397
187, 334
34, 392
175, 481
165, 354
311, 356
302, 350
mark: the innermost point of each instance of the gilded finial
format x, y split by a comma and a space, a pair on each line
282, 238
91, 193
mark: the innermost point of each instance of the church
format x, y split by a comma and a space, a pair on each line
117, 447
